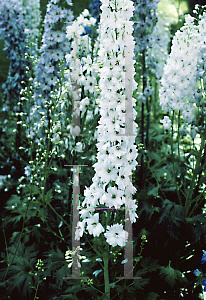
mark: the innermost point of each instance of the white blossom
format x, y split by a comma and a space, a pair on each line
117, 152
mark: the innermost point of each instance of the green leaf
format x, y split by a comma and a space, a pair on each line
153, 191
167, 206
171, 276
140, 283
149, 264
152, 296
56, 265
48, 196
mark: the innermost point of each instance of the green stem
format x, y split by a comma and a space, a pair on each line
24, 220
36, 290
173, 163
106, 273
106, 264
159, 186
7, 253
178, 136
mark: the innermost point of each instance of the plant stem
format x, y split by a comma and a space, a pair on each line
36, 290
142, 118
106, 265
178, 136
173, 163
106, 273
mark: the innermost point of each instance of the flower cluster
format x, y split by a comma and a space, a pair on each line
200, 99
54, 48
12, 30
82, 75
198, 272
95, 9
159, 50
116, 156
82, 52
145, 19
51, 60
74, 257
32, 16
179, 82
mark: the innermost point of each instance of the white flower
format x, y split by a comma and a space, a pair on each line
116, 235
179, 82
115, 153
166, 122
78, 147
93, 225
27, 170
131, 206
79, 230
85, 13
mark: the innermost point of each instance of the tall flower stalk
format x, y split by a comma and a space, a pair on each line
144, 21
82, 77
112, 188
182, 96
48, 70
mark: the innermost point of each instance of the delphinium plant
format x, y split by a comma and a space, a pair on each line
55, 45
111, 188
43, 198
13, 31
33, 217
82, 78
174, 206
12, 28
182, 96
144, 21
32, 18
16, 45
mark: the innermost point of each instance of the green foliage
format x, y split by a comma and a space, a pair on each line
21, 272
171, 276
56, 266
152, 296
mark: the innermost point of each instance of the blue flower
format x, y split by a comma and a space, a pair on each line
197, 272
97, 272
204, 283
88, 30
95, 9
13, 32
203, 260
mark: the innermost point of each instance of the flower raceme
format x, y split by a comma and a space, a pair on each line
179, 82
116, 156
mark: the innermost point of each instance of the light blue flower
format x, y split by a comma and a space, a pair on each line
197, 272
97, 272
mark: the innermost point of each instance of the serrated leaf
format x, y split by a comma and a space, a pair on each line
167, 206
56, 265
149, 209
140, 283
171, 275
149, 264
